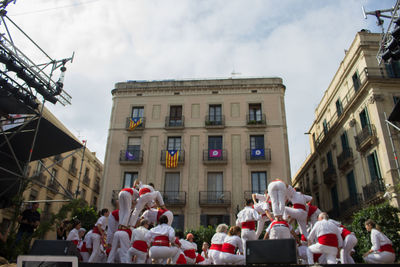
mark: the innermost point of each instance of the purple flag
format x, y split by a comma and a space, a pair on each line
129, 155
215, 153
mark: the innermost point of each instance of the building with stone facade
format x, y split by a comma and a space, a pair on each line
230, 136
352, 162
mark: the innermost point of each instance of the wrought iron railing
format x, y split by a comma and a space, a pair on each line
215, 156
214, 121
174, 122
367, 132
257, 155
373, 189
215, 198
330, 175
135, 123
256, 120
174, 198
345, 157
181, 156
131, 156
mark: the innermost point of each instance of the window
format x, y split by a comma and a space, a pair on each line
137, 112
33, 194
83, 194
174, 143
335, 199
258, 182
73, 163
214, 220
69, 185
175, 116
325, 126
179, 222
255, 112
53, 175
329, 159
129, 178
215, 114
339, 107
356, 81
257, 148
94, 202
393, 69
86, 172
39, 167
373, 166
171, 187
215, 142
364, 119
351, 185
215, 188
345, 141
133, 147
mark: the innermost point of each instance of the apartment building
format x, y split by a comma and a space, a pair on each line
205, 144
352, 162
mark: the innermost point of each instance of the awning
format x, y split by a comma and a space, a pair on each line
395, 114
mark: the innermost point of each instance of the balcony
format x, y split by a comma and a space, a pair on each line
86, 180
212, 122
215, 156
73, 170
254, 156
345, 159
366, 138
96, 188
181, 157
256, 120
57, 158
53, 185
40, 178
350, 205
174, 122
131, 157
135, 123
374, 191
215, 198
330, 175
174, 198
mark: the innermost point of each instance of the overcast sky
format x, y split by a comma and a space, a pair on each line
301, 41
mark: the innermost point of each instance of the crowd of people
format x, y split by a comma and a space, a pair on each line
140, 231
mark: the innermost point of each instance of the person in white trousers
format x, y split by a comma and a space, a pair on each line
126, 198
152, 215
216, 243
140, 245
278, 229
112, 226
298, 210
329, 240
312, 214
349, 242
382, 250
86, 246
264, 209
98, 235
232, 243
246, 219
277, 190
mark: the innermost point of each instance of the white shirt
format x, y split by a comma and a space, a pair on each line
103, 221
234, 240
247, 214
268, 230
187, 245
112, 227
218, 238
162, 229
140, 234
150, 215
325, 227
299, 198
261, 197
261, 207
73, 235
378, 239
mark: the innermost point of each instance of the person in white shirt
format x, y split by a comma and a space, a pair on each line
298, 210
382, 250
277, 190
161, 238
140, 244
329, 240
126, 198
189, 248
279, 229
232, 243
204, 254
349, 242
73, 235
246, 219
112, 226
312, 214
216, 243
98, 235
152, 215
86, 246
263, 208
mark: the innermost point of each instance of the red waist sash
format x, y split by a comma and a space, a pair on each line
199, 258
328, 240
140, 245
299, 206
190, 253
181, 259
161, 240
129, 190
345, 232
229, 248
96, 230
386, 247
84, 248
216, 247
129, 231
249, 225
311, 210
144, 190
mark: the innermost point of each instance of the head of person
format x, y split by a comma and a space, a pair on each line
222, 228
104, 212
145, 223
234, 230
369, 225
249, 202
190, 237
35, 206
76, 224
323, 216
81, 232
151, 184
205, 246
163, 220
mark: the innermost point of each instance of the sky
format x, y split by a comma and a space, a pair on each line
301, 41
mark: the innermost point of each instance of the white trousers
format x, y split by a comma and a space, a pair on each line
277, 193
85, 256
279, 232
247, 234
349, 243
214, 255
122, 241
260, 225
141, 203
235, 259
125, 206
302, 254
301, 217
96, 251
160, 254
140, 256
380, 257
328, 251
170, 217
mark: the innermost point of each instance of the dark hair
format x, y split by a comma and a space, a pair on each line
249, 201
144, 222
373, 224
151, 184
297, 189
103, 211
163, 219
75, 223
179, 234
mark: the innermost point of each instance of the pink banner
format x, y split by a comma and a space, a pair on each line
215, 153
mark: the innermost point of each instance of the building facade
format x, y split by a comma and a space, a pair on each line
229, 137
352, 162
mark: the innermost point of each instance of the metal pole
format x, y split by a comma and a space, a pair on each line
80, 169
393, 147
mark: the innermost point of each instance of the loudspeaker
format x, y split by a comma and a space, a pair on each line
54, 248
271, 251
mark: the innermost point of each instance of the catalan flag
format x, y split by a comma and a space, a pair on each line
171, 158
134, 122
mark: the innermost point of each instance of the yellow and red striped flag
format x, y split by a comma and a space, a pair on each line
134, 122
171, 158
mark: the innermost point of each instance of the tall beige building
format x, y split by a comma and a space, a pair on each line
352, 162
230, 134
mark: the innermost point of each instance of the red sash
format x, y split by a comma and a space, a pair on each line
144, 190
161, 240
229, 248
311, 209
328, 240
249, 225
316, 256
84, 248
299, 206
181, 259
177, 241
216, 247
199, 258
190, 253
96, 230
284, 223
129, 231
386, 247
276, 180
140, 245
345, 232
303, 238
115, 214
76, 242
160, 212
130, 190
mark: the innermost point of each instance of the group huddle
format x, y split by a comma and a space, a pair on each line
126, 236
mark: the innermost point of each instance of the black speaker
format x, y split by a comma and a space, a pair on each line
54, 248
271, 251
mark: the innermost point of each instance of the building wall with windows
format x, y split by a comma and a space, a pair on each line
352, 161
57, 178
229, 137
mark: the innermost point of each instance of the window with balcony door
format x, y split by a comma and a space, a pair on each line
215, 114
171, 187
351, 185
215, 188
364, 119
174, 143
137, 112
257, 147
339, 107
356, 81
133, 148
214, 147
255, 113
175, 116
258, 182
129, 178
373, 166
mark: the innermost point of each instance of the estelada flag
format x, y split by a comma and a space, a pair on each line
171, 158
134, 122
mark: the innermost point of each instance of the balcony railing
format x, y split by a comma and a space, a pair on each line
174, 122
53, 185
215, 121
181, 157
174, 198
215, 198
345, 158
41, 178
258, 155
131, 157
256, 120
212, 156
96, 188
57, 158
86, 180
373, 190
73, 170
135, 123
366, 138
330, 175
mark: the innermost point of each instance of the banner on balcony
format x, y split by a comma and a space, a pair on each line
134, 122
215, 153
129, 155
258, 152
171, 158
